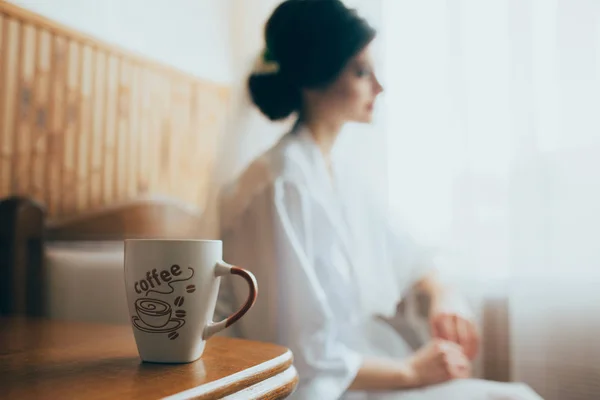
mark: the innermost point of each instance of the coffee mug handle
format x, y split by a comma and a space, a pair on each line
222, 269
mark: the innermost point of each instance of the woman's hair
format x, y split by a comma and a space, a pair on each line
310, 42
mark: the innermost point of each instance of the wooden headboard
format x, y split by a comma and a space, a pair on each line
25, 231
85, 124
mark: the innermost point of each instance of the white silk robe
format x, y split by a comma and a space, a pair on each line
326, 261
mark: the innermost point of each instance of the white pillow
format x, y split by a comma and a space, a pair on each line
85, 282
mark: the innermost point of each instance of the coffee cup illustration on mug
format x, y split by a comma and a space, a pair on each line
172, 287
153, 312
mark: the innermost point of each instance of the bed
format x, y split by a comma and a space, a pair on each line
72, 268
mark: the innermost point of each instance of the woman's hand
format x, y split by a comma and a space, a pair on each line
456, 328
450, 317
438, 361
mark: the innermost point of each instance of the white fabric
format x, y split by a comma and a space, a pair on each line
325, 260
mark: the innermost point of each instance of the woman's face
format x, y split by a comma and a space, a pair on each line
351, 97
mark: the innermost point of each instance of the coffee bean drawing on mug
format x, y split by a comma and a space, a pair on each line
179, 301
156, 315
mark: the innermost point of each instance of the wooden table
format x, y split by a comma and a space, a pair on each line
42, 359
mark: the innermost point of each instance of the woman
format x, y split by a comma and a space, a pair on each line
327, 263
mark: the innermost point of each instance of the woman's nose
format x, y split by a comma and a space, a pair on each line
377, 86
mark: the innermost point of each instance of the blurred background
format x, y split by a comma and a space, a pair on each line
486, 142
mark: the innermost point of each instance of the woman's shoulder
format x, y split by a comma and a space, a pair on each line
291, 160
283, 164
285, 161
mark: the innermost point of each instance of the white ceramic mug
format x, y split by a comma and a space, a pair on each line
172, 288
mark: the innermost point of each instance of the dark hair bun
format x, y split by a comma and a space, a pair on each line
311, 41
274, 95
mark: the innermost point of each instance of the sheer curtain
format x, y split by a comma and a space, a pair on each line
493, 154
246, 132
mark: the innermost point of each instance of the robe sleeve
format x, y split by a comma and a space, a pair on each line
305, 320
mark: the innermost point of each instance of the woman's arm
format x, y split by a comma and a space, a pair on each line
433, 287
383, 374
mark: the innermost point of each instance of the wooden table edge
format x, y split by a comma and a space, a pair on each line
277, 387
239, 381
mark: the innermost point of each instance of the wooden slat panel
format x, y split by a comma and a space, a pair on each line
3, 56
143, 104
72, 131
153, 156
19, 109
123, 130
9, 95
176, 136
57, 141
40, 117
110, 134
194, 140
98, 127
209, 118
21, 176
145, 138
134, 131
184, 153
84, 124
164, 134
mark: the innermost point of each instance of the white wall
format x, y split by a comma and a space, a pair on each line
193, 35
